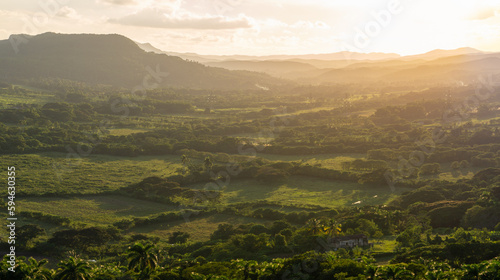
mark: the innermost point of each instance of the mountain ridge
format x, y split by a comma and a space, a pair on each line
114, 59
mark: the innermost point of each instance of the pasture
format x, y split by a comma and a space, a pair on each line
300, 190
93, 209
59, 173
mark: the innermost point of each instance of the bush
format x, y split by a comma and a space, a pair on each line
250, 242
223, 232
258, 229
349, 268
178, 237
430, 169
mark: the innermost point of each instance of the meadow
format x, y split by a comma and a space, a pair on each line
24, 95
199, 228
304, 190
60, 173
94, 210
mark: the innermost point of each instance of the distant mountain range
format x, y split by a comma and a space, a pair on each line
328, 56
118, 61
115, 60
438, 66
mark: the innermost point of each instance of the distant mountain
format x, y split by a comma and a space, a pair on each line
115, 60
462, 68
276, 68
187, 56
118, 61
350, 67
435, 54
149, 48
320, 57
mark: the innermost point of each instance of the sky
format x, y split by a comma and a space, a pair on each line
266, 27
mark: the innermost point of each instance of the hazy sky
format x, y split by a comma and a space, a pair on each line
259, 27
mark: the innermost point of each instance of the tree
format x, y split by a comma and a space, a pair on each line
430, 168
410, 236
142, 258
371, 272
73, 269
474, 271
258, 229
250, 242
279, 226
492, 270
83, 238
497, 227
314, 226
279, 241
223, 232
178, 237
394, 272
27, 233
368, 227
434, 275
184, 159
332, 227
36, 270
208, 164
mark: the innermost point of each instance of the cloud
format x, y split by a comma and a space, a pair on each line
118, 2
67, 12
483, 14
179, 19
310, 24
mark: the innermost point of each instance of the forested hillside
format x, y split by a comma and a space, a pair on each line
112, 60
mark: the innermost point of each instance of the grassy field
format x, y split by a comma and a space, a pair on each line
94, 209
125, 131
55, 173
6, 100
385, 244
299, 190
332, 161
449, 174
199, 228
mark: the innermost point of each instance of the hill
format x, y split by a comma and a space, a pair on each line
273, 67
114, 60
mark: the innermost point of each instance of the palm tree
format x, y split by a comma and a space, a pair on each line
395, 272
314, 226
36, 271
332, 227
142, 258
492, 270
371, 272
435, 275
73, 269
248, 268
440, 266
473, 271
